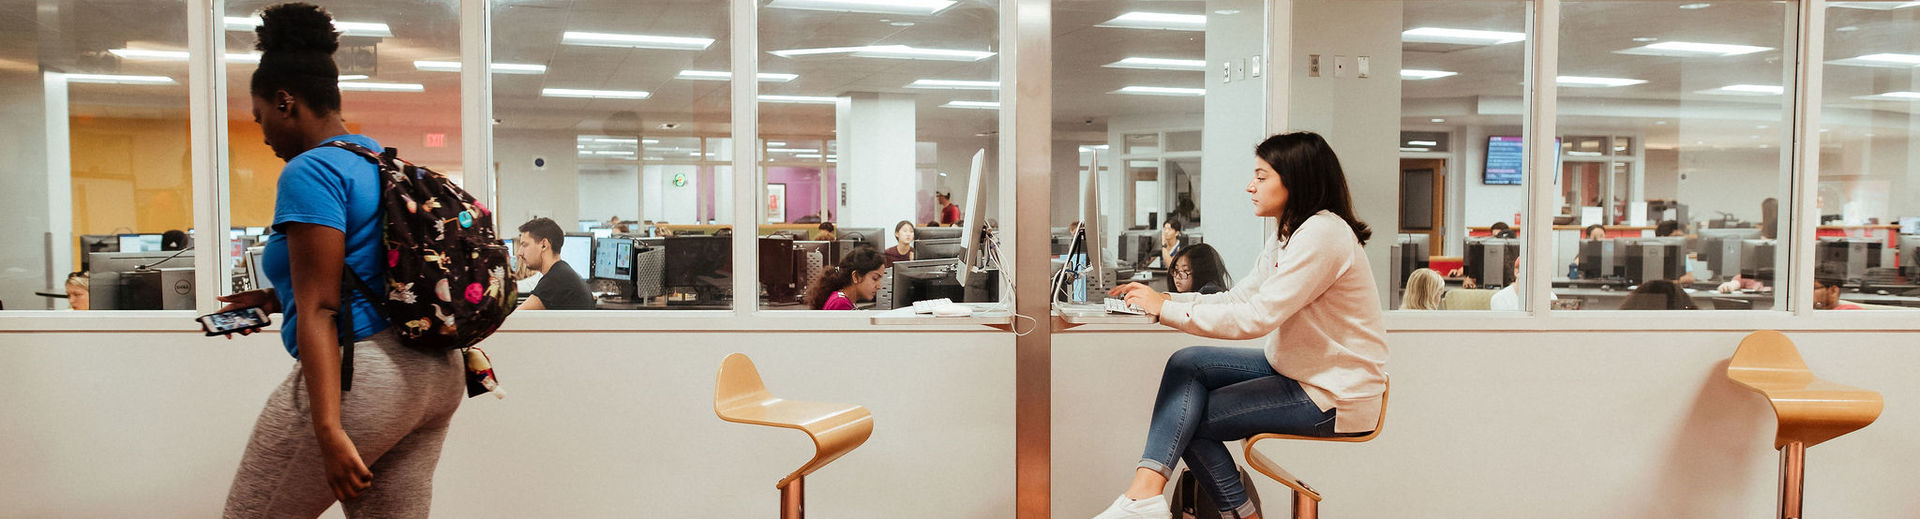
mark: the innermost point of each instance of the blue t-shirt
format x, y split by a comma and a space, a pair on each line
339, 189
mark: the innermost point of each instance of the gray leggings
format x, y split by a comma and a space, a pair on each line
397, 416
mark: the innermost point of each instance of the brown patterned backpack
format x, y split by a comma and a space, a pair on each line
447, 285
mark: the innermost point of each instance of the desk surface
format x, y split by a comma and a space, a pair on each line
983, 314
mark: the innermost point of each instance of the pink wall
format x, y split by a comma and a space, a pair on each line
803, 190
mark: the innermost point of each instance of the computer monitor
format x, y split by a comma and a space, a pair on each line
91, 243
1756, 259
613, 259
1058, 242
935, 233
1599, 259
1847, 258
1139, 248
779, 270
140, 243
1489, 260
1091, 238
937, 248
1653, 259
257, 269
256, 231
974, 239
690, 258
1720, 249
1909, 259
120, 283
577, 251
919, 280
513, 256
1409, 252
588, 225
877, 236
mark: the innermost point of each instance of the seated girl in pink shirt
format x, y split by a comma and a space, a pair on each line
856, 278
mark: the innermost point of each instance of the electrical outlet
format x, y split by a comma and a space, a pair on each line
1313, 65
1226, 71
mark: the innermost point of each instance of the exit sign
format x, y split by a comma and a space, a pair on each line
436, 140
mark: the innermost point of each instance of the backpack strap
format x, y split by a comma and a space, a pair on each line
362, 151
349, 284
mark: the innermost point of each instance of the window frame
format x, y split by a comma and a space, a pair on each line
211, 201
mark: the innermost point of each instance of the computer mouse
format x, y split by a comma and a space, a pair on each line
1883, 292
952, 311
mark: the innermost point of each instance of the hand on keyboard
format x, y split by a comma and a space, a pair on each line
1120, 306
926, 307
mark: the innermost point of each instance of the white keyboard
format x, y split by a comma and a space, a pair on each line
926, 307
1120, 306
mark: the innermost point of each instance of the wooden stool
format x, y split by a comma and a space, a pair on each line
1306, 500
740, 397
1809, 410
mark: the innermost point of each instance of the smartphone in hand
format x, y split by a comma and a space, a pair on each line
234, 321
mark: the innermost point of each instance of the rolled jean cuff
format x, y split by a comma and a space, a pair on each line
1245, 509
1165, 471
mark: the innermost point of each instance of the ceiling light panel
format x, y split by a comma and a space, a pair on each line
721, 75
595, 94
889, 52
635, 41
978, 105
1596, 82
364, 86
1159, 64
1882, 60
901, 7
1745, 90
497, 68
1688, 49
799, 99
1460, 36
954, 84
369, 29
1161, 91
118, 79
1412, 74
1160, 21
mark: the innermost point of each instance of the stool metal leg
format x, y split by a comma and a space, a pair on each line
1793, 471
1305, 507
792, 500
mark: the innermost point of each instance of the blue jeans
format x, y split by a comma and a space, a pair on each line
1212, 395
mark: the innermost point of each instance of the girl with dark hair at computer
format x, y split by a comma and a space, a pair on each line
1311, 295
856, 278
1199, 269
902, 249
374, 448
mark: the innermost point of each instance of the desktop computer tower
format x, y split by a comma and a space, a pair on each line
1490, 261
1756, 259
157, 289
1652, 261
1847, 259
1599, 259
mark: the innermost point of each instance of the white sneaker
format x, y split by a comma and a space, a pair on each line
1150, 508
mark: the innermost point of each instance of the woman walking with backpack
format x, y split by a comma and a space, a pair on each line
373, 448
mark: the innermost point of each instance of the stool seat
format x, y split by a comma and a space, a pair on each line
1809, 410
741, 397
1265, 465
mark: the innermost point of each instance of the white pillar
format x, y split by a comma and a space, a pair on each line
1236, 112
59, 180
876, 134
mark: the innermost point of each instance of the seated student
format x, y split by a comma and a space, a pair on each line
1659, 294
1826, 295
561, 287
826, 232
79, 292
1509, 298
175, 240
1169, 241
1501, 230
1670, 228
1199, 269
1596, 232
1424, 287
902, 250
856, 278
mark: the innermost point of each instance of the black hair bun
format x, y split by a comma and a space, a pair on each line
296, 27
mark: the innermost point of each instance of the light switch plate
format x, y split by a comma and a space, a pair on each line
1362, 67
1253, 66
1226, 71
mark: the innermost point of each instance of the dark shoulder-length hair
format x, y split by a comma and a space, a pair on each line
1311, 172
1208, 268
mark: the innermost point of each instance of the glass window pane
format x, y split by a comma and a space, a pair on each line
1684, 217
912, 97
97, 156
1460, 207
1869, 190
645, 194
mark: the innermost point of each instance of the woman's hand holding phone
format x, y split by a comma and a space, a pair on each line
261, 299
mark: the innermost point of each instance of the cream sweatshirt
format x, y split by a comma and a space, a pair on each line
1314, 300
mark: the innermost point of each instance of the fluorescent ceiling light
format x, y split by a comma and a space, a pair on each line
1411, 74
364, 86
1877, 6
1745, 90
1159, 64
979, 105
1582, 81
1163, 21
1423, 143
1414, 149
1460, 36
1892, 96
1884, 59
807, 156
178, 55
792, 150
352, 77
497, 68
117, 79
890, 52
1688, 49
721, 75
637, 41
607, 140
1161, 91
955, 84
913, 7
595, 94
799, 99
377, 30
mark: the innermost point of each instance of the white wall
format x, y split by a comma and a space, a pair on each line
1568, 425
876, 137
1236, 121
525, 188
23, 189
1733, 181
606, 191
1360, 118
